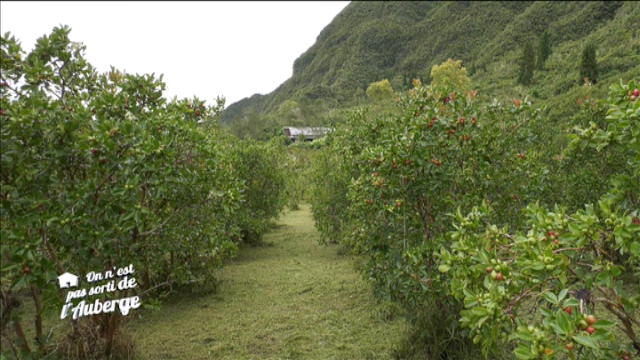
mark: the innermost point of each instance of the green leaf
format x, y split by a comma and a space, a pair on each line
523, 352
444, 268
562, 294
586, 341
604, 324
550, 297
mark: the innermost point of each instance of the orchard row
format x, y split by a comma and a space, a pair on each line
100, 171
447, 197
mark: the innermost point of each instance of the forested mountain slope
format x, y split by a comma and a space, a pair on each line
399, 41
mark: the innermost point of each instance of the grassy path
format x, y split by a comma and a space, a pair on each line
292, 299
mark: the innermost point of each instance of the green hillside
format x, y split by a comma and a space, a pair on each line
370, 41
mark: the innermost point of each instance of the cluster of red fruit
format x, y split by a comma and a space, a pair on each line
494, 275
587, 323
635, 94
553, 236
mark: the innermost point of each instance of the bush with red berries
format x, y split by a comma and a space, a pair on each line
562, 268
386, 183
395, 187
100, 170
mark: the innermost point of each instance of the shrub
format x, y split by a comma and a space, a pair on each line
261, 166
380, 90
99, 170
546, 283
385, 184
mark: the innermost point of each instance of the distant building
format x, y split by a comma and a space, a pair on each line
307, 133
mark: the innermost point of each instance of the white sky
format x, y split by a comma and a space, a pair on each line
234, 49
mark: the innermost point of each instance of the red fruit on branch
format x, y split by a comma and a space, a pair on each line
590, 329
569, 346
488, 269
636, 92
552, 234
499, 276
436, 162
461, 120
368, 201
474, 120
568, 310
636, 221
520, 156
95, 151
591, 319
433, 121
451, 131
517, 102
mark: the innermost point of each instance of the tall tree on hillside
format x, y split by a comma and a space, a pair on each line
527, 65
544, 50
589, 64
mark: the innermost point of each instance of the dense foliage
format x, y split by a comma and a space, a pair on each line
99, 170
562, 267
262, 168
398, 179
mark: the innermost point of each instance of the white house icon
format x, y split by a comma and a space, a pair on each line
67, 280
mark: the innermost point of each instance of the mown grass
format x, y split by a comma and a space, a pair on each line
291, 299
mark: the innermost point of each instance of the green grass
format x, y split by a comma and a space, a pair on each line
292, 299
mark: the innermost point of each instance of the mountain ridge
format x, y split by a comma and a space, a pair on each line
370, 41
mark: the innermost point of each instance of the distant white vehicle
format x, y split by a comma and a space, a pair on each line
67, 280
306, 133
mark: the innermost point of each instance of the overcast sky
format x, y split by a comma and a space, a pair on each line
234, 49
